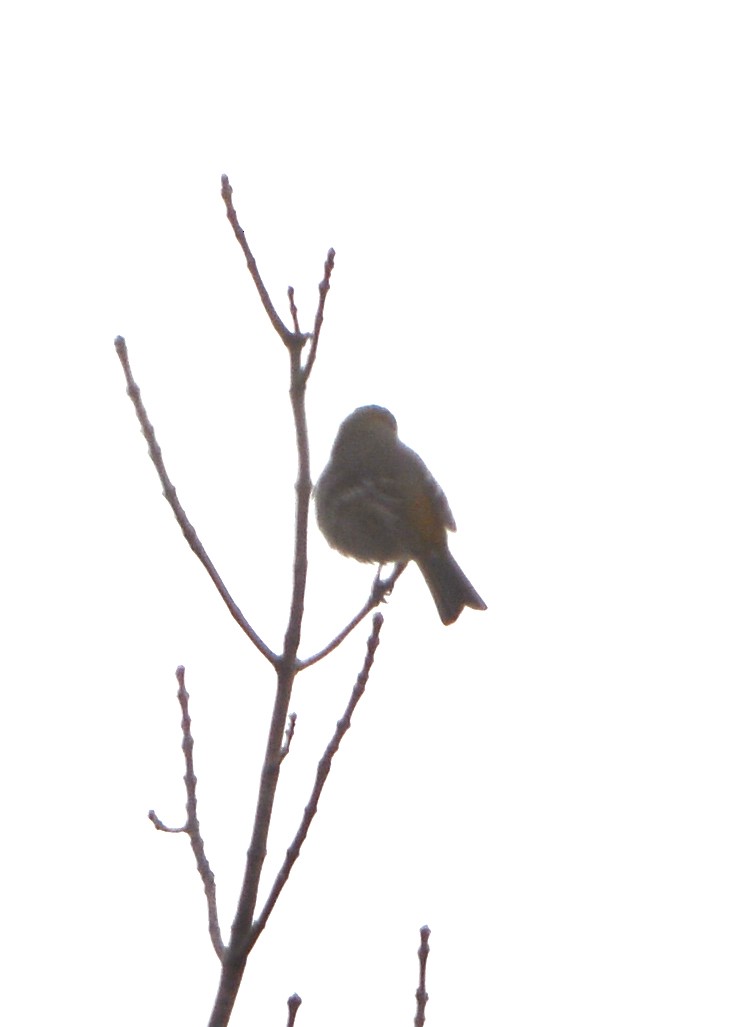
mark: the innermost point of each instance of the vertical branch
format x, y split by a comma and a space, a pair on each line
192, 819
421, 994
324, 287
233, 965
303, 495
191, 827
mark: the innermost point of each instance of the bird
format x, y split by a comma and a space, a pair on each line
377, 502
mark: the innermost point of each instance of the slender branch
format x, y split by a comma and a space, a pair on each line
293, 308
197, 842
303, 498
191, 827
133, 391
324, 287
287, 336
322, 772
380, 589
421, 994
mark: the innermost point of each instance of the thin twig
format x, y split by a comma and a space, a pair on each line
324, 287
287, 336
294, 308
421, 994
322, 772
191, 827
133, 391
197, 842
293, 1003
380, 590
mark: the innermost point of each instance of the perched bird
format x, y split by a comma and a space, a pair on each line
377, 502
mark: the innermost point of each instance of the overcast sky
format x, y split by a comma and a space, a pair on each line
531, 207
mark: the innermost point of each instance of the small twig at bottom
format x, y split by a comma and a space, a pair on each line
421, 995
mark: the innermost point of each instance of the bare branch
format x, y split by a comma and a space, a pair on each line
380, 590
133, 391
245, 929
191, 827
324, 287
294, 308
197, 842
289, 338
287, 669
322, 772
160, 826
421, 994
239, 945
233, 966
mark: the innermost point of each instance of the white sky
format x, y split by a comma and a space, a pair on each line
531, 206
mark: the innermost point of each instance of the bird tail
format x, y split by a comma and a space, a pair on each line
450, 587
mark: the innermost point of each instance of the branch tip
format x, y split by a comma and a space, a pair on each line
293, 1003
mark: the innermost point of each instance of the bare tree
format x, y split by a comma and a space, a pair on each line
249, 922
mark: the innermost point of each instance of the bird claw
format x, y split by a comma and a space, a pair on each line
382, 587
